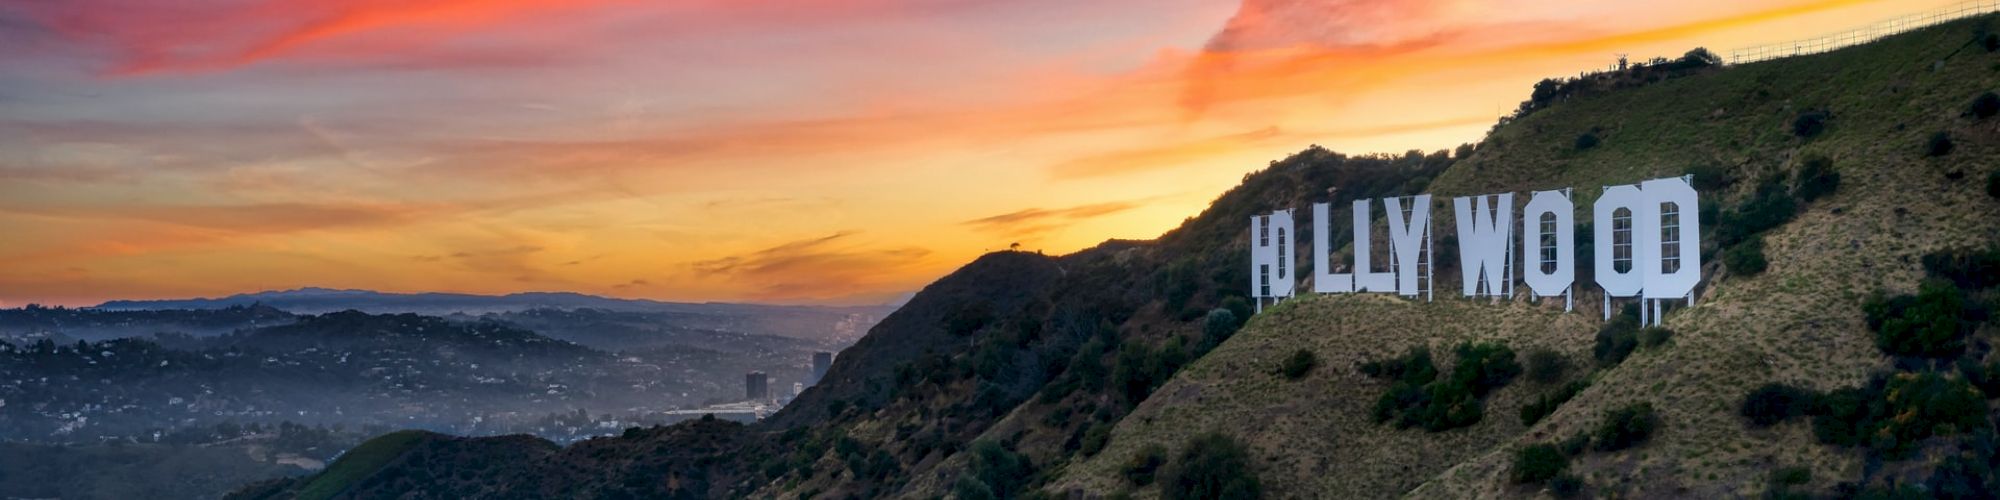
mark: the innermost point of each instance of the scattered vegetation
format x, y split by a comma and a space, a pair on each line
1655, 337
994, 472
1418, 397
1931, 324
1816, 179
1626, 427
1548, 403
1939, 145
1144, 464
1984, 106
1810, 124
1587, 141
1299, 364
1538, 463
1617, 338
1213, 466
1546, 366
1746, 258
1774, 402
1891, 414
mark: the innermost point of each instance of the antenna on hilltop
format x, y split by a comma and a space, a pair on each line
1621, 60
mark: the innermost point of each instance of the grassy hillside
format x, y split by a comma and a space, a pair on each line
1023, 375
1800, 322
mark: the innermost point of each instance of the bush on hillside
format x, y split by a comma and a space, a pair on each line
1710, 177
1542, 406
1617, 339
1587, 141
1299, 364
1626, 427
1566, 486
1537, 463
1213, 466
1095, 436
1891, 415
1652, 337
1003, 473
1932, 324
1418, 397
1144, 463
1771, 206
1546, 366
1746, 258
1816, 179
1240, 307
1939, 145
1966, 268
1984, 106
1810, 124
1218, 326
1773, 403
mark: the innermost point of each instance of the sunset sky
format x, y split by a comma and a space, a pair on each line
807, 151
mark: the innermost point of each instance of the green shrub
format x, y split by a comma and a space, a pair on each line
1932, 324
1810, 124
1774, 402
1546, 366
1816, 179
1537, 463
1566, 486
1984, 106
1771, 206
1626, 427
1144, 464
1299, 364
1710, 177
1746, 258
1542, 406
1239, 306
1218, 326
1968, 269
1617, 339
1587, 141
1652, 337
1003, 473
1212, 466
1418, 397
1415, 367
1939, 145
1892, 414
1095, 437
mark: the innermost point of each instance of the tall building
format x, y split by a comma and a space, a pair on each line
756, 386
821, 362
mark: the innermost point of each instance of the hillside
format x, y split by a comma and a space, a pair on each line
1800, 322
1026, 375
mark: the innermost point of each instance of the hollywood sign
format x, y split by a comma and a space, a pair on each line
1652, 230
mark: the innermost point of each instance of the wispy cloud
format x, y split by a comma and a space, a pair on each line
1037, 221
819, 268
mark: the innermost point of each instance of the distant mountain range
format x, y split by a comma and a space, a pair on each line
324, 300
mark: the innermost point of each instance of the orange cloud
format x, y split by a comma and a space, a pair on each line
1034, 221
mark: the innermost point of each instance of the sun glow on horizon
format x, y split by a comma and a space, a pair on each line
839, 152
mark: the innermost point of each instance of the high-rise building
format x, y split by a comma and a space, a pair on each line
756, 386
821, 362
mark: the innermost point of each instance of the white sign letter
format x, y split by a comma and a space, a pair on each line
1324, 279
1485, 234
1406, 239
1365, 277
1548, 232
1271, 255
